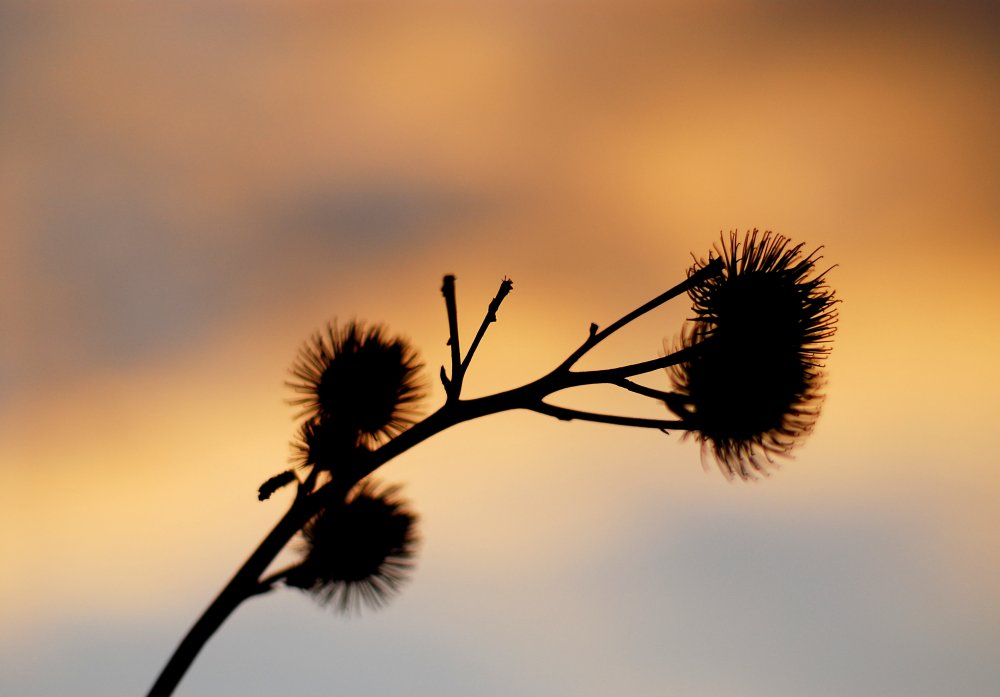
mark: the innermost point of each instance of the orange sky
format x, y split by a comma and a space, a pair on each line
186, 193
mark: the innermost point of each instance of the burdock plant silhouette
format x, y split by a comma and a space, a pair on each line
746, 375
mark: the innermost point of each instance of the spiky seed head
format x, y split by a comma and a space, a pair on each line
358, 551
327, 445
764, 327
359, 379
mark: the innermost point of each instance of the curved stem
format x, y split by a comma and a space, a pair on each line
243, 585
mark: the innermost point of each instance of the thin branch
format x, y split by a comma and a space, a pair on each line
712, 268
506, 286
675, 402
454, 386
636, 388
614, 376
564, 414
527, 396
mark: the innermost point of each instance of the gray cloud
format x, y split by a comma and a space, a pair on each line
375, 216
825, 605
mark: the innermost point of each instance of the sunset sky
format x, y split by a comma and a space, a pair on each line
188, 190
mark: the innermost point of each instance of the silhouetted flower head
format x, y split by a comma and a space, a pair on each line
763, 326
358, 551
327, 444
358, 379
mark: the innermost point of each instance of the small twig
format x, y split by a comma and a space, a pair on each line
564, 414
454, 386
643, 390
674, 401
614, 376
712, 268
278, 481
506, 286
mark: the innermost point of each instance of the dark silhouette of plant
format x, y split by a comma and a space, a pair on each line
359, 381
746, 376
357, 552
764, 324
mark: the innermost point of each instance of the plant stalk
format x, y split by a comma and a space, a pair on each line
247, 583
243, 585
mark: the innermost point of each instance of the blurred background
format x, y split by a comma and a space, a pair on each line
189, 190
